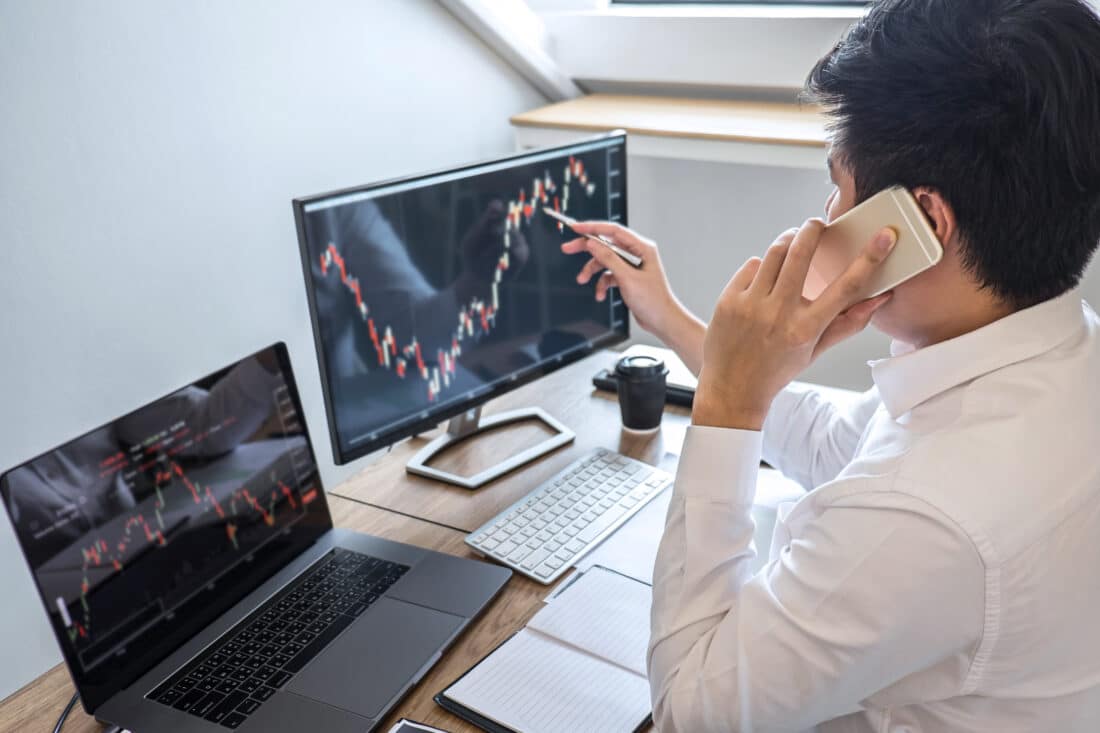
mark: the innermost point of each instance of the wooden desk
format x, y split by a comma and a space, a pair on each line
567, 395
733, 131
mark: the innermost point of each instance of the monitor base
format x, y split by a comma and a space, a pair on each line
469, 424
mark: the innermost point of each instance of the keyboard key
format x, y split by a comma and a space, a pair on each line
519, 553
263, 693
234, 720
279, 679
594, 530
186, 684
250, 685
535, 559
505, 549
204, 706
225, 707
189, 700
248, 706
168, 697
242, 673
265, 673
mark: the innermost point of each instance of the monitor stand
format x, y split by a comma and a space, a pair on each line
469, 424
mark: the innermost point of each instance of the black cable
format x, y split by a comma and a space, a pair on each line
65, 714
69, 709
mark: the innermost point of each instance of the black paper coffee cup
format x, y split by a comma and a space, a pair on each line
641, 386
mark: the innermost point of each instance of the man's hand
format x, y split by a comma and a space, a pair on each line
764, 333
646, 289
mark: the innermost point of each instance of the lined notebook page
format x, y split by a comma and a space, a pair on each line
602, 613
534, 684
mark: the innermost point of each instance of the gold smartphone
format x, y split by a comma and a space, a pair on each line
917, 248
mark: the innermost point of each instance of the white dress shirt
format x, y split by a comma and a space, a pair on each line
943, 574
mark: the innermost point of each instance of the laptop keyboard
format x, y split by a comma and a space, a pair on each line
233, 677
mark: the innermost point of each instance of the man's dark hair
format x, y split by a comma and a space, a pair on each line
995, 104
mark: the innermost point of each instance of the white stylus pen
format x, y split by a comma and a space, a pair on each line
568, 221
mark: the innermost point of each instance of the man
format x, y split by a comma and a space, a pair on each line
942, 573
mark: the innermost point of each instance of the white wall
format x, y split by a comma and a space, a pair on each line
149, 154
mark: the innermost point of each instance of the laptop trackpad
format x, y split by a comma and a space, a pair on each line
376, 657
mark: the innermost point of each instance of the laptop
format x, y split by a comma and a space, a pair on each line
188, 563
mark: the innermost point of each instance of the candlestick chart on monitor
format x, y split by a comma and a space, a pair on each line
428, 292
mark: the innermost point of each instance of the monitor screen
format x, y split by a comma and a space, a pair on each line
433, 294
143, 531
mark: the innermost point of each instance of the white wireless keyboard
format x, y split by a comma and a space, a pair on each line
544, 533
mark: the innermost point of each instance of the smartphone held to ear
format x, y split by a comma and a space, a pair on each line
917, 248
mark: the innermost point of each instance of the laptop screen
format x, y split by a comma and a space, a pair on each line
143, 531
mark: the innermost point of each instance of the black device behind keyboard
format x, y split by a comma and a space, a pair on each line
233, 677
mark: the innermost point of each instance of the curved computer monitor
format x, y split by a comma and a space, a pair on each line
432, 294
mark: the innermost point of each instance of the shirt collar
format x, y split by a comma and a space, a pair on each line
913, 376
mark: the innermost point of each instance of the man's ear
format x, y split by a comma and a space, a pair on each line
939, 213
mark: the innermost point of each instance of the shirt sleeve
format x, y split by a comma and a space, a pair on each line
821, 628
810, 438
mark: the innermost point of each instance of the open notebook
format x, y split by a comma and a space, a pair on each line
579, 665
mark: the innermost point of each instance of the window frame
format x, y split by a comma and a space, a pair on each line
736, 46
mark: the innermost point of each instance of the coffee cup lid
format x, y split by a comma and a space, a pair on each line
640, 367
